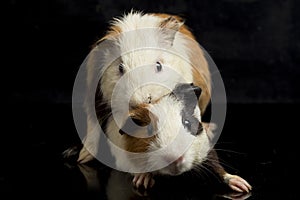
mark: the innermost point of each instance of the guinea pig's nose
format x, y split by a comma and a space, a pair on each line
149, 99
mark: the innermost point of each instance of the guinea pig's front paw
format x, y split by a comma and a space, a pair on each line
143, 179
237, 183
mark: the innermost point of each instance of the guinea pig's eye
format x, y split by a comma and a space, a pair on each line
158, 66
187, 124
121, 68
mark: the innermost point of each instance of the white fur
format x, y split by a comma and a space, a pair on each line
172, 141
176, 138
140, 45
197, 113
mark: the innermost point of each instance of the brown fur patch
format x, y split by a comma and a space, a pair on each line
137, 145
183, 29
135, 142
170, 23
141, 113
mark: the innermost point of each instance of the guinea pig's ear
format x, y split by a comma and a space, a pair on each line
169, 28
185, 91
210, 128
197, 90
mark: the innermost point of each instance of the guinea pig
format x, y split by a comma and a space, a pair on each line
168, 138
155, 47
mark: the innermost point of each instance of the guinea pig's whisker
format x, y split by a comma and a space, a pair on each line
200, 170
224, 163
221, 161
229, 151
103, 118
226, 142
210, 171
209, 162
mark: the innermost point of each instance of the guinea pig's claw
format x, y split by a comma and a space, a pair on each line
237, 183
84, 156
144, 179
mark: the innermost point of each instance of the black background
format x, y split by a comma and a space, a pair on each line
255, 44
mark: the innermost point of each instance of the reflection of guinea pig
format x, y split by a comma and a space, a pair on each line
156, 42
170, 138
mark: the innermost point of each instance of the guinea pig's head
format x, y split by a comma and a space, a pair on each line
151, 59
176, 139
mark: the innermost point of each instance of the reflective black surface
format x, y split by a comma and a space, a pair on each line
258, 143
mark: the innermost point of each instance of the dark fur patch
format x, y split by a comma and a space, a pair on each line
139, 119
189, 94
